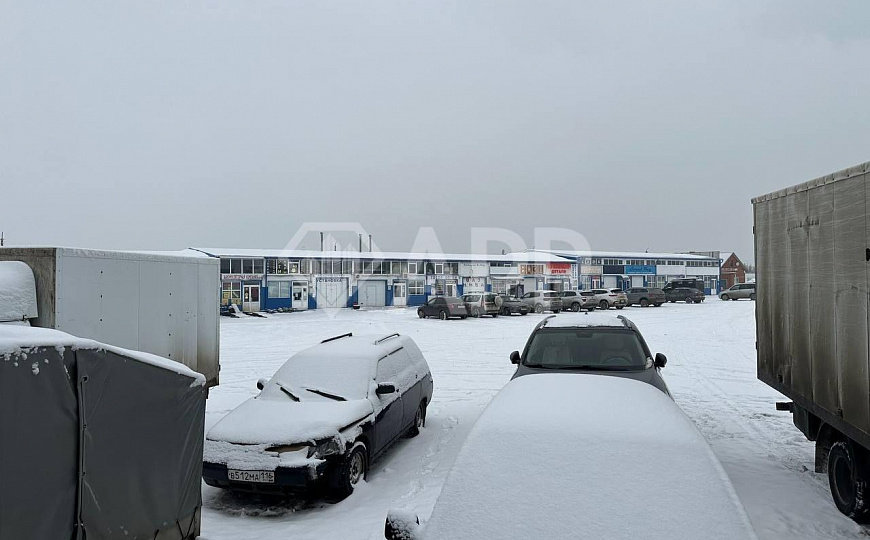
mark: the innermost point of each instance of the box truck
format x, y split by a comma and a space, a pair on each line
163, 304
812, 253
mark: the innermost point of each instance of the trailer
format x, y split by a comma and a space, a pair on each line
163, 304
812, 252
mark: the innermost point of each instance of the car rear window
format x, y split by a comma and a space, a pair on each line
586, 348
550, 294
472, 297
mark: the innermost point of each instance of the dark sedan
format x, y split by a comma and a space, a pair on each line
512, 304
443, 307
685, 294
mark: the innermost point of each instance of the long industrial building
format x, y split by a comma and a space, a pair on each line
262, 279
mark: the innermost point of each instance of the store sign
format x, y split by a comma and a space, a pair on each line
559, 268
531, 269
640, 269
241, 277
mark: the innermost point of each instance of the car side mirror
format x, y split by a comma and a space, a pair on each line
402, 525
661, 360
515, 357
385, 388
262, 383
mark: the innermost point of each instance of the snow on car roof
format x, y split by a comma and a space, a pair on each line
579, 320
21, 338
568, 456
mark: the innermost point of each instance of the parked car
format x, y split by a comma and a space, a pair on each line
443, 307
738, 291
692, 283
308, 428
607, 298
645, 296
479, 304
600, 343
533, 468
685, 294
576, 300
541, 301
512, 304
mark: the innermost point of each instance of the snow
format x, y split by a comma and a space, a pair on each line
381, 255
711, 374
17, 292
586, 319
585, 456
16, 340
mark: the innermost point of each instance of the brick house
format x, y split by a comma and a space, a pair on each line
732, 270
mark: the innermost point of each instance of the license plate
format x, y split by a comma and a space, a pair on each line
257, 477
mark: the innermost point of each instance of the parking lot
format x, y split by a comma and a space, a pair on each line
711, 374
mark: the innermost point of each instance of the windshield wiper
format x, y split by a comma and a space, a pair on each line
582, 367
325, 394
290, 394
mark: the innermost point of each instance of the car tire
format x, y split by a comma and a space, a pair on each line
494, 315
752, 297
524, 312
619, 307
724, 297
688, 300
848, 479
442, 315
575, 307
419, 421
421, 314
644, 302
506, 311
539, 308
556, 310
475, 313
657, 304
603, 304
349, 472
463, 317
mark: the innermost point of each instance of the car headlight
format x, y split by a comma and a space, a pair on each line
326, 447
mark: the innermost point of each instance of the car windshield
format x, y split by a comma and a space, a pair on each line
308, 377
472, 298
607, 349
510, 298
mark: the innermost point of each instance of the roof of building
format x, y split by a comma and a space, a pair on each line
624, 254
857, 170
381, 255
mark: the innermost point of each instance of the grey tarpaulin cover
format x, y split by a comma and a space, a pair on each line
95, 442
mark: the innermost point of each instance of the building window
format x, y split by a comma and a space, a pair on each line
416, 286
225, 266
416, 267
439, 268
231, 292
531, 269
279, 267
279, 289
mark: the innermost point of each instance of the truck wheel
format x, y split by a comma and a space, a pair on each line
848, 478
575, 307
346, 474
644, 302
603, 304
442, 315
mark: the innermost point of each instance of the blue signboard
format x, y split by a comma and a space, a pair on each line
640, 269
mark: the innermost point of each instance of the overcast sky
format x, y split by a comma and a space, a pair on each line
644, 125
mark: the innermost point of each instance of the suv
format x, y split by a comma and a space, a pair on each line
645, 296
685, 294
692, 283
479, 304
511, 305
598, 343
575, 301
607, 298
541, 301
741, 290
443, 307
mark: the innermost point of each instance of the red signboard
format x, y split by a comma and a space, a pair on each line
559, 268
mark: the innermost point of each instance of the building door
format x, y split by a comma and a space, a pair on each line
450, 288
637, 281
400, 297
331, 293
372, 293
299, 295
251, 298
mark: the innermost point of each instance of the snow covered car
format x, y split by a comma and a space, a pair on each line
598, 342
581, 457
324, 416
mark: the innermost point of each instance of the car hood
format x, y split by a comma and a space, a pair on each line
262, 420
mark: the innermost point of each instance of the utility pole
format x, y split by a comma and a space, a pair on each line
370, 243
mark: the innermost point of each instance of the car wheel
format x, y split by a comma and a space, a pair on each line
752, 297
539, 308
442, 315
349, 472
644, 302
619, 307
463, 317
494, 315
506, 311
848, 478
603, 304
657, 304
556, 310
419, 421
724, 297
688, 300
475, 313
421, 314
526, 312
575, 307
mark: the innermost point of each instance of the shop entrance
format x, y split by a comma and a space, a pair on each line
400, 294
251, 298
299, 295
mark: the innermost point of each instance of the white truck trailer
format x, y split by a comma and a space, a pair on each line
812, 252
162, 304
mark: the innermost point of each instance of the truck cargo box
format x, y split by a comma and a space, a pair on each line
162, 304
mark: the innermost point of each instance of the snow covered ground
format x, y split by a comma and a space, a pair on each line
710, 371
